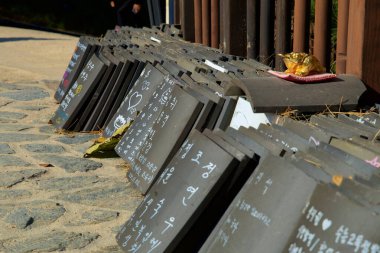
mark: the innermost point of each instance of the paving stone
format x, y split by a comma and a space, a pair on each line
5, 149
14, 87
11, 160
34, 214
49, 242
48, 129
97, 216
50, 82
94, 217
12, 115
77, 139
12, 137
43, 148
26, 94
32, 107
109, 249
4, 210
116, 230
68, 183
118, 196
10, 178
43, 119
82, 148
5, 103
69, 163
7, 121
20, 218
14, 194
14, 127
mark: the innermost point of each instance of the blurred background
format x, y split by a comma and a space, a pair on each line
92, 17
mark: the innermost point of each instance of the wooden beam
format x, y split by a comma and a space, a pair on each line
198, 20
215, 23
283, 17
267, 31
253, 19
234, 27
187, 19
322, 32
177, 14
222, 24
206, 22
301, 26
355, 38
341, 47
371, 49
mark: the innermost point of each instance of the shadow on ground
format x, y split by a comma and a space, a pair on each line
23, 39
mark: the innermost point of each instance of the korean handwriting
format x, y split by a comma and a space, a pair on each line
192, 190
343, 236
169, 223
158, 207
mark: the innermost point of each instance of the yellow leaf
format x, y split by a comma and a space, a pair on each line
104, 147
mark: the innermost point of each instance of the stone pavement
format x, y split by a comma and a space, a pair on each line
51, 199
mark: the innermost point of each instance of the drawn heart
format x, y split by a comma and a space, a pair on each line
326, 224
134, 100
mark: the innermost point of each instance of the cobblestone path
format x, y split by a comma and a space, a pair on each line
52, 199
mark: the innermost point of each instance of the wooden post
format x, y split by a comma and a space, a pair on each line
266, 32
301, 26
322, 36
283, 31
253, 19
198, 20
341, 47
206, 22
222, 24
187, 19
363, 42
355, 38
234, 27
177, 15
215, 23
